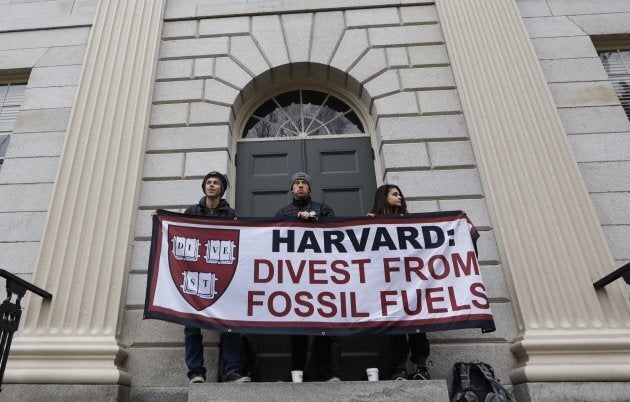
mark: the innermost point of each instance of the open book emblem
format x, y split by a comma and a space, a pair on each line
202, 262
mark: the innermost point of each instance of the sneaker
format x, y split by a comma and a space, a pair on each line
238, 379
197, 379
422, 373
333, 379
399, 375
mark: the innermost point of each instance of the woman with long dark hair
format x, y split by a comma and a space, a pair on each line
389, 200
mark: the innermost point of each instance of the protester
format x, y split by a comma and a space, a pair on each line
389, 200
324, 347
231, 354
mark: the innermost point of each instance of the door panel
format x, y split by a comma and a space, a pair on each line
264, 170
343, 174
341, 169
264, 203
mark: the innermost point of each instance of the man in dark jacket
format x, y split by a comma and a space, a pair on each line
231, 349
303, 207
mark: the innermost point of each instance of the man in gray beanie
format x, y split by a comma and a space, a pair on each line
324, 347
302, 206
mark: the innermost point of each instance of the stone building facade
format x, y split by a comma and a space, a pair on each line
500, 108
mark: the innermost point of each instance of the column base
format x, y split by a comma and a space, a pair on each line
66, 360
572, 356
55, 392
571, 391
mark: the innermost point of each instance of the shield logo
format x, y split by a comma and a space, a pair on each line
202, 262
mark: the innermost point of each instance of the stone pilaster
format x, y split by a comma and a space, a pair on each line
87, 240
550, 241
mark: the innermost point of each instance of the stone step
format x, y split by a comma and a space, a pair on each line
434, 390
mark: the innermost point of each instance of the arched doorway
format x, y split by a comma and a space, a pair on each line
316, 131
310, 131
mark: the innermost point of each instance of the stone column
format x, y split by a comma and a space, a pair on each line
86, 244
550, 241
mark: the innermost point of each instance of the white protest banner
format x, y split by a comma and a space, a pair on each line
389, 274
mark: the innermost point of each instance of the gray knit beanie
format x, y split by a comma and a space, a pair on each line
300, 176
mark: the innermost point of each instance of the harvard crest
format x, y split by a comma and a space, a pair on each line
202, 262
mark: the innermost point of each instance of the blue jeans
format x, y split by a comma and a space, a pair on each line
230, 358
193, 350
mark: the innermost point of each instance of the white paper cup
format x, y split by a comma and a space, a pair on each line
372, 374
297, 375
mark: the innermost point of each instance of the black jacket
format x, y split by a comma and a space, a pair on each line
222, 211
321, 210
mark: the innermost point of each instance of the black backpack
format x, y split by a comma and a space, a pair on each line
475, 382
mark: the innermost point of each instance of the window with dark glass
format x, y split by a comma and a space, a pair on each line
11, 96
302, 113
617, 65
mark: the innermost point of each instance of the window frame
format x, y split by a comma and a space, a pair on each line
5, 134
615, 78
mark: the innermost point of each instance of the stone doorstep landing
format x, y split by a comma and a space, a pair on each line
433, 391
428, 391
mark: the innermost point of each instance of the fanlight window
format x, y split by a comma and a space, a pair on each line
302, 113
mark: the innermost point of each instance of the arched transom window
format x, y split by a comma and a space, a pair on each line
302, 113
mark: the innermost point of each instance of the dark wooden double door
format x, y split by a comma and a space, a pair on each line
342, 172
